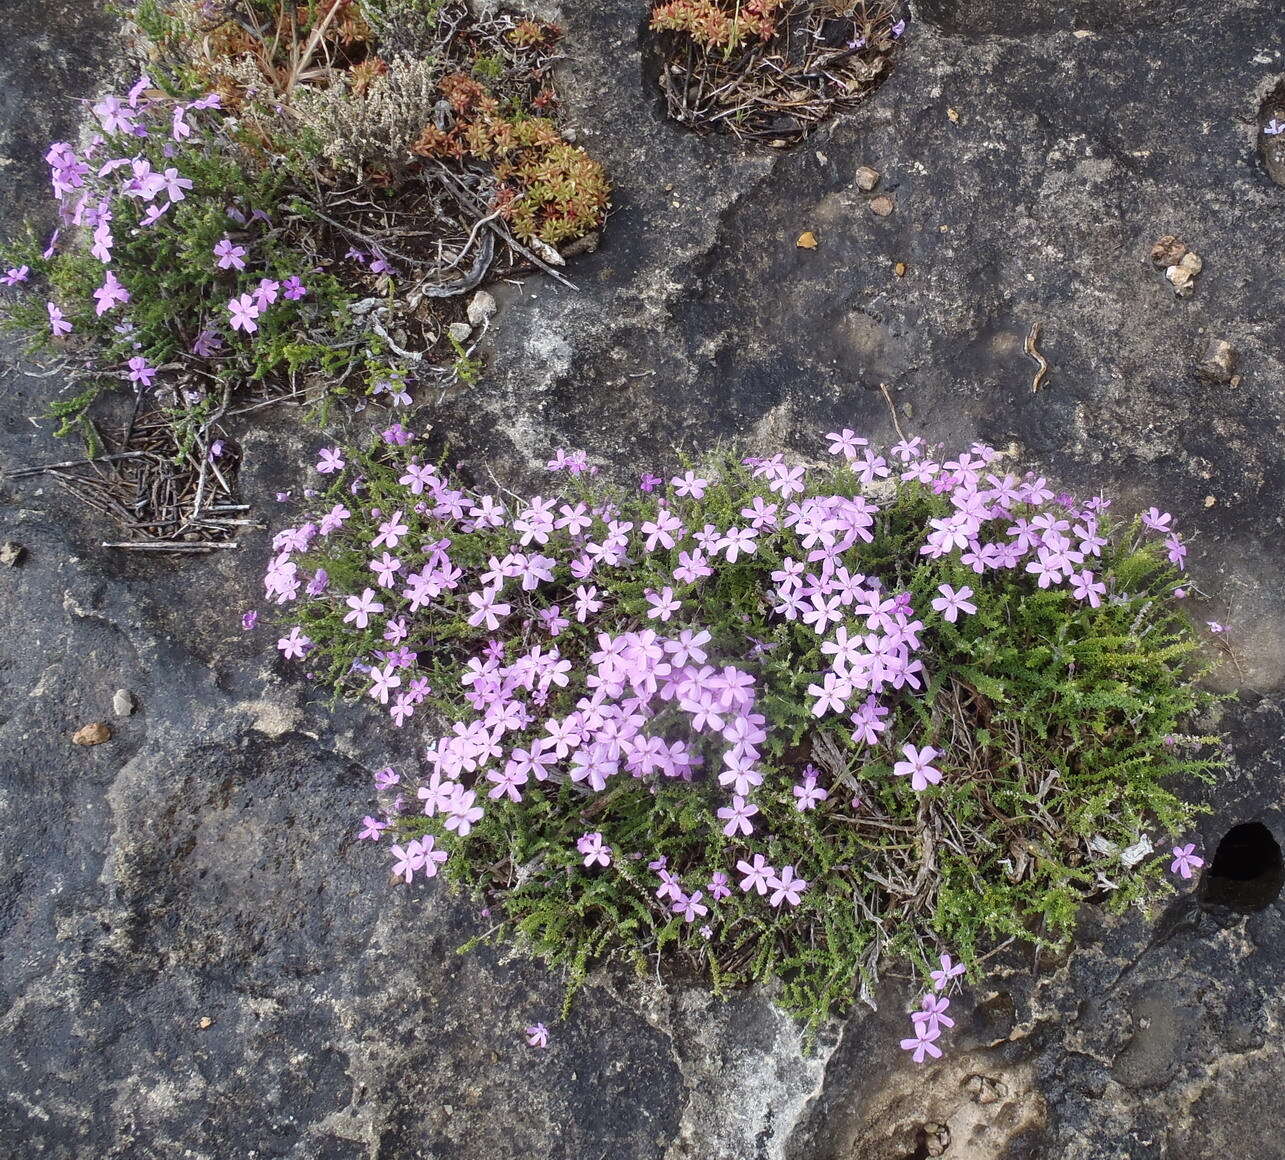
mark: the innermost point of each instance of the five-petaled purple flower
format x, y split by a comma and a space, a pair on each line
230, 255
923, 1043
951, 602
329, 460
918, 767
1185, 860
947, 972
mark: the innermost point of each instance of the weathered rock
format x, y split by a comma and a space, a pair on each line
11, 553
204, 866
866, 178
1168, 251
123, 703
1219, 361
95, 733
882, 205
481, 308
460, 331
1182, 275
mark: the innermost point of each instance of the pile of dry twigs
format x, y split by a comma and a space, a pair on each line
821, 58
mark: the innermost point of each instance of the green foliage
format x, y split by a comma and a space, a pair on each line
1062, 730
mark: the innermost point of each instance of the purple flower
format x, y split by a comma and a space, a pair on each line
737, 816
57, 324
918, 767
896, 30
786, 887
663, 604
109, 294
372, 829
933, 1012
690, 484
537, 1035
230, 255
1274, 128
293, 288
923, 1042
948, 971
595, 851
690, 907
15, 274
808, 794
141, 371
243, 311
406, 860
1156, 520
294, 645
758, 874
951, 603
1085, 587
1185, 860
265, 293
330, 460
207, 343
362, 607
249, 620
650, 482
113, 115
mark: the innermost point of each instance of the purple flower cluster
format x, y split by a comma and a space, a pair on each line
931, 1017
646, 688
121, 180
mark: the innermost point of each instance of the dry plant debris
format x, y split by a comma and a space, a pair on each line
771, 71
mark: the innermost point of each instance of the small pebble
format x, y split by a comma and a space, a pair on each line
882, 205
92, 734
460, 331
1219, 361
122, 703
11, 553
481, 308
807, 241
867, 178
1168, 251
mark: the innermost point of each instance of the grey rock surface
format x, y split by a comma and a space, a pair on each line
197, 959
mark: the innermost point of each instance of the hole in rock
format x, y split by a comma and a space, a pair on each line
1247, 871
930, 1140
1271, 134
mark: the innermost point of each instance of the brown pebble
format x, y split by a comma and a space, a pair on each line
899, 269
205, 1022
881, 205
1168, 251
953, 114
807, 241
1218, 362
1210, 501
93, 734
867, 178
